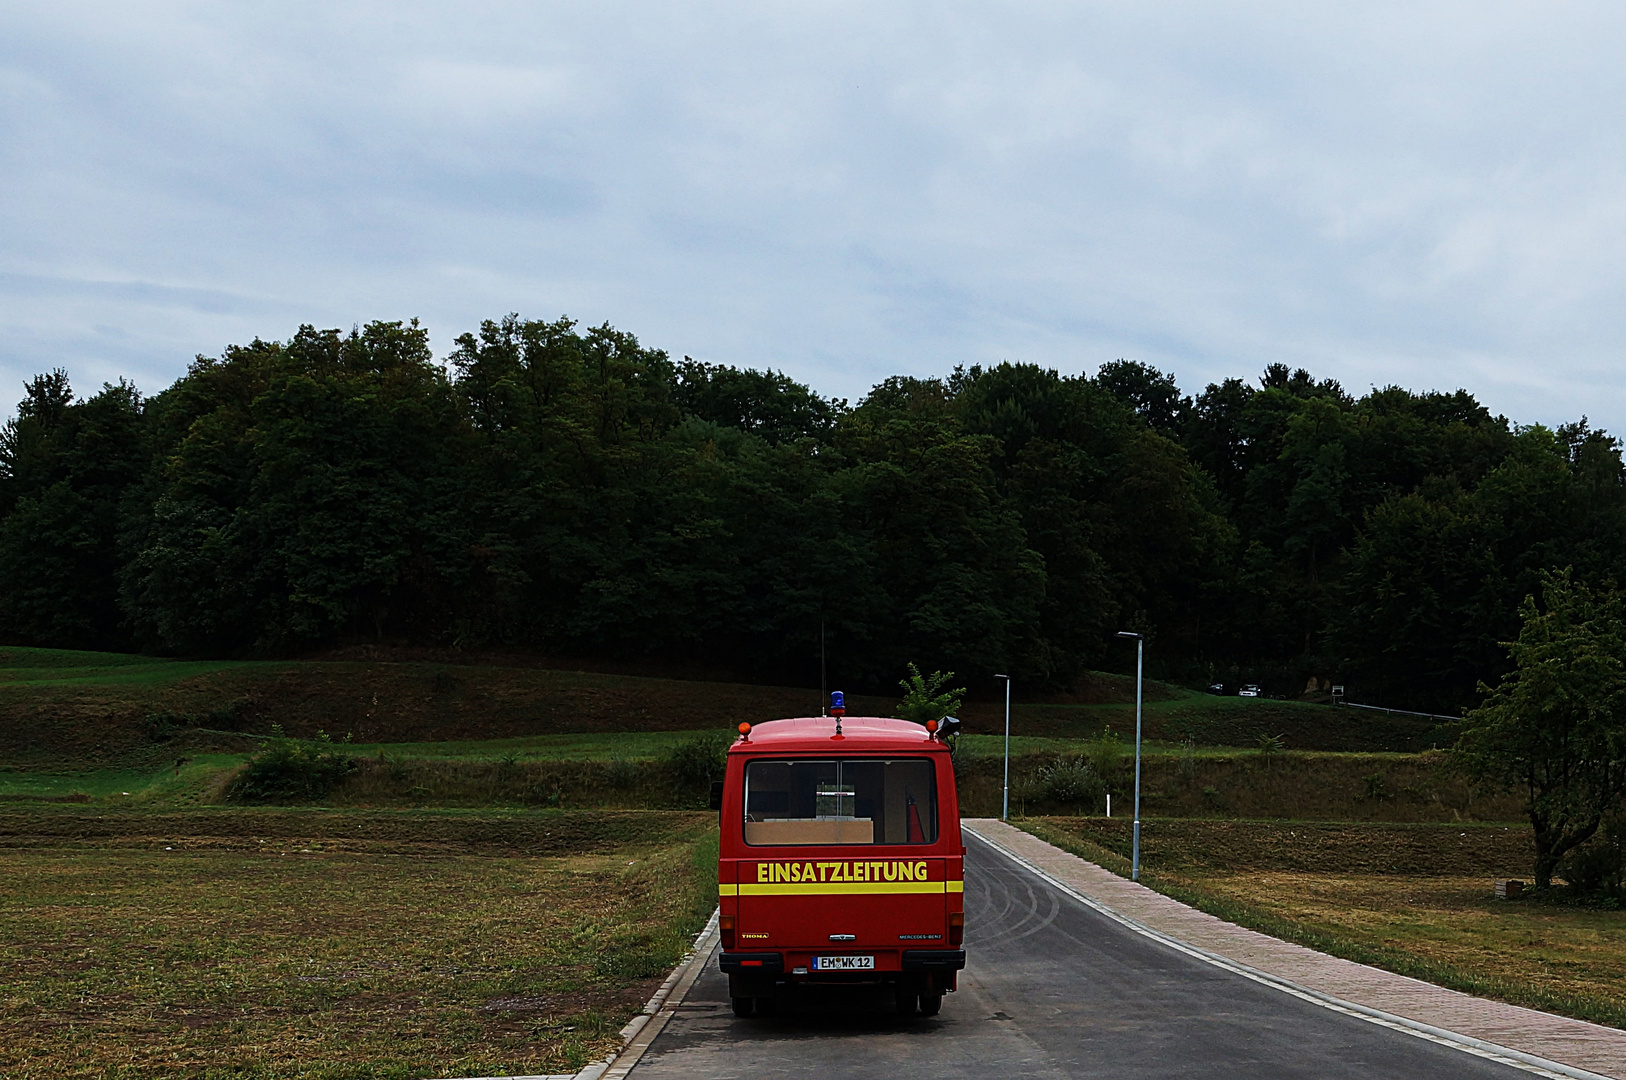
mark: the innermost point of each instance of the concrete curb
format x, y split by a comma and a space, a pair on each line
642, 1029
1465, 1043
640, 1032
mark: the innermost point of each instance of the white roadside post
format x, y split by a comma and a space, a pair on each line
1140, 652
1005, 813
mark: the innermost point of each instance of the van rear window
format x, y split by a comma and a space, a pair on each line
853, 801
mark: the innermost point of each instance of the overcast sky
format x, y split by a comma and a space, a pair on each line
1423, 194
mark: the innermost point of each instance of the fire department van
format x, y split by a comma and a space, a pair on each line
840, 860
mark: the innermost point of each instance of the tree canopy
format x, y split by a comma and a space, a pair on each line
572, 491
1555, 727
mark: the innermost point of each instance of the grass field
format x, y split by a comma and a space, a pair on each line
65, 711
510, 866
1415, 899
280, 943
634, 770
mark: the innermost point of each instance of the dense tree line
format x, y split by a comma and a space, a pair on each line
577, 493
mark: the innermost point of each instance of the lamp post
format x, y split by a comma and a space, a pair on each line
1005, 814
1140, 652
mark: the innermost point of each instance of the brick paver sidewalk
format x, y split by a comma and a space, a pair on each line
1556, 1038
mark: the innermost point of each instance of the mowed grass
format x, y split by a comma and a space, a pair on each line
183, 784
325, 944
1414, 899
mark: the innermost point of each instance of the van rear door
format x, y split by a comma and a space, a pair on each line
842, 863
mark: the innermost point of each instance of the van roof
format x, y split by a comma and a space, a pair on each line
818, 733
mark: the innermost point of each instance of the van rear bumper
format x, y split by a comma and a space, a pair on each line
772, 963
764, 963
933, 959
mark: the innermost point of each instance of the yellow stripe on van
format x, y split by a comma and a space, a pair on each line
956, 886
826, 888
728, 890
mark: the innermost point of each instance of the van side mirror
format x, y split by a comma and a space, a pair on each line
948, 727
717, 795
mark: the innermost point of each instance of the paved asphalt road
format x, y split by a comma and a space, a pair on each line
1052, 989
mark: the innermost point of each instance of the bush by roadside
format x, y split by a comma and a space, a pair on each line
291, 770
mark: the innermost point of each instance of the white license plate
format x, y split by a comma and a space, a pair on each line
844, 963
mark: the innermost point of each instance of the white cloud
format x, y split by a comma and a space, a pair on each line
1424, 194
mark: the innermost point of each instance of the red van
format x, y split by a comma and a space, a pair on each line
840, 861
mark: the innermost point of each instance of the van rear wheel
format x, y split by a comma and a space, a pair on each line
744, 1006
931, 1004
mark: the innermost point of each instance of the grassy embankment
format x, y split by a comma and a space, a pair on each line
1414, 899
80, 710
1190, 782
116, 728
272, 943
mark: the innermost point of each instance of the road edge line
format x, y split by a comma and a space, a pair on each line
643, 1029
1457, 1041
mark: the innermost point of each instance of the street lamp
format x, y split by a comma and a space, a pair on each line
1005, 814
1140, 652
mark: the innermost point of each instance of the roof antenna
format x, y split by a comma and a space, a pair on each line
838, 709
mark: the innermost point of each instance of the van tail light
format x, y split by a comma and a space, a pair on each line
725, 924
956, 927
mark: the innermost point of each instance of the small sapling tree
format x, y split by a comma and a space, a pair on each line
1556, 726
929, 697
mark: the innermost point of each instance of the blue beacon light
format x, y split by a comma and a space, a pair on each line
838, 704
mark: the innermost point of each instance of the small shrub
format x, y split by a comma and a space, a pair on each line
1271, 744
695, 763
1106, 755
1596, 870
1377, 789
1188, 760
623, 775
545, 792
161, 726
1071, 781
292, 770
228, 717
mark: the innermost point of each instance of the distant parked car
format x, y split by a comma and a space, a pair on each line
1216, 688
1250, 690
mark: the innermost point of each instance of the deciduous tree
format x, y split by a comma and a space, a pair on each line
1555, 727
